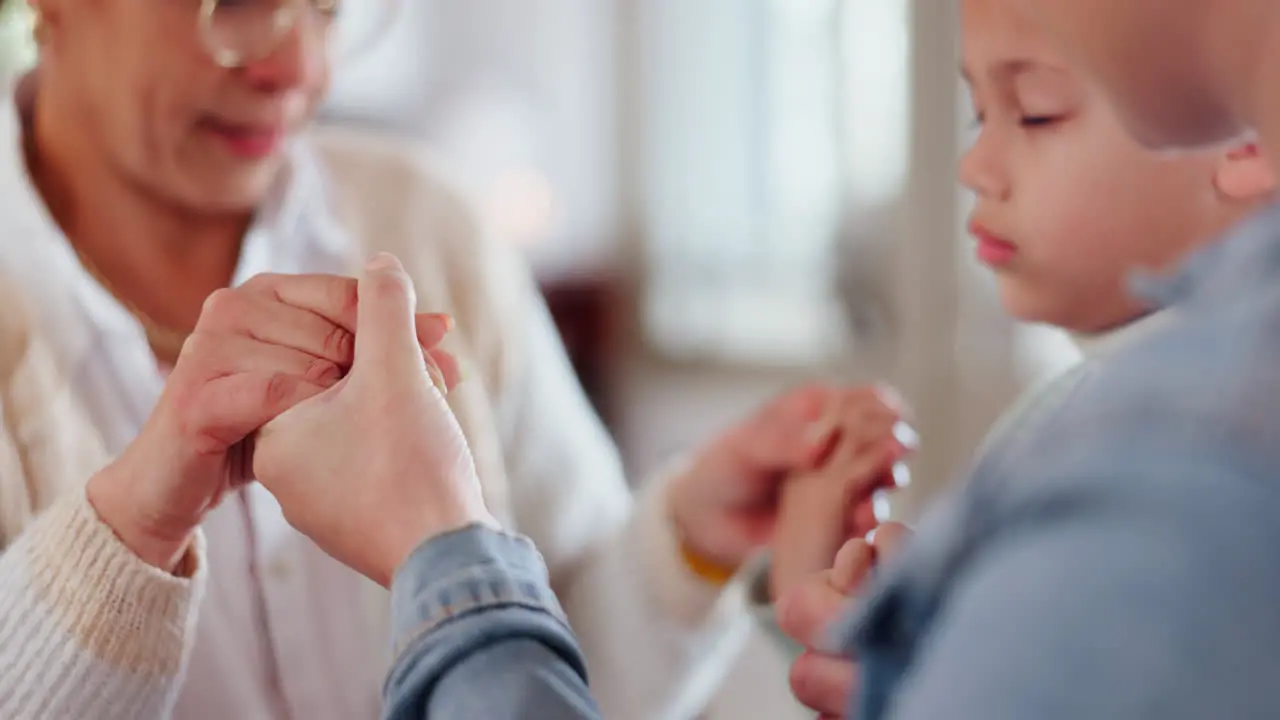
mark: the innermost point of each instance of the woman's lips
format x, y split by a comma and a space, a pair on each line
251, 142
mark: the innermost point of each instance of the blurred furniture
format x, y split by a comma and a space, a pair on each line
586, 310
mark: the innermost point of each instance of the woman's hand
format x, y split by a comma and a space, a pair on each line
726, 506
257, 350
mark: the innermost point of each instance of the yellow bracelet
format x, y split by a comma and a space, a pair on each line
711, 572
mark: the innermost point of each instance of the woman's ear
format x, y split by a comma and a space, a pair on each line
1244, 174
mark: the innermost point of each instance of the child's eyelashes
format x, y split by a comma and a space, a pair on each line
1032, 122
1029, 122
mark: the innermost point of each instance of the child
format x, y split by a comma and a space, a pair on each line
1067, 206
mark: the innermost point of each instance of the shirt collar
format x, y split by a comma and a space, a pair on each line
1247, 253
1095, 345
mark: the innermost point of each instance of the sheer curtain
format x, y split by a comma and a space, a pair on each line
743, 178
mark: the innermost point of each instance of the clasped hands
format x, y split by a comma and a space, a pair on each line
349, 430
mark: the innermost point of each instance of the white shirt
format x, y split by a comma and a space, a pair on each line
284, 631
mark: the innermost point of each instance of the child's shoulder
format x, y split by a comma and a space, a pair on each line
1213, 373
1202, 389
1202, 392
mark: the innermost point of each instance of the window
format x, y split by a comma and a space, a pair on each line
516, 98
764, 124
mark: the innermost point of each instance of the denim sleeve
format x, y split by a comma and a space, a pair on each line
1143, 593
479, 634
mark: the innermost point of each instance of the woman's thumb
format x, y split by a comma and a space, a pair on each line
386, 335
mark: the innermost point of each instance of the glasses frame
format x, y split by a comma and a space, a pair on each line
286, 19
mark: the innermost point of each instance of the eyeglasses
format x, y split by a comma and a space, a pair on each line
238, 32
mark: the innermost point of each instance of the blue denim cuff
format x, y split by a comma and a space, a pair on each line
467, 571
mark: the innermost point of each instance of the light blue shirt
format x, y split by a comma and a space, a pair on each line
1114, 555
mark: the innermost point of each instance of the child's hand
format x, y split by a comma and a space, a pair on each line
822, 681
819, 510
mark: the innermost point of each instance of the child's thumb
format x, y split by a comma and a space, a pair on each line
386, 335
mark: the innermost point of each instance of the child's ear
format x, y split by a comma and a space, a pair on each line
1244, 175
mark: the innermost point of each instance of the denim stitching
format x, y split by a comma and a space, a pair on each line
447, 613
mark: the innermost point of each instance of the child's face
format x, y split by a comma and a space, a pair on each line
1160, 63
1067, 203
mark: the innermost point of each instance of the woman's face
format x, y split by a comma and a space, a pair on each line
154, 105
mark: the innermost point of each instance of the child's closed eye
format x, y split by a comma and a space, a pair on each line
1032, 122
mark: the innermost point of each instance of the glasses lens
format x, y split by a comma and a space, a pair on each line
240, 30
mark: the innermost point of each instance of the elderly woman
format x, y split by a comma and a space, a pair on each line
158, 155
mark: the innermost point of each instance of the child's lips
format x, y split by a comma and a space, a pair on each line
992, 250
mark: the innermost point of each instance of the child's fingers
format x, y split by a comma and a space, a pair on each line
805, 612
889, 539
823, 683
853, 562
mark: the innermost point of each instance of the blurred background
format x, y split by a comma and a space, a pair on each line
721, 199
